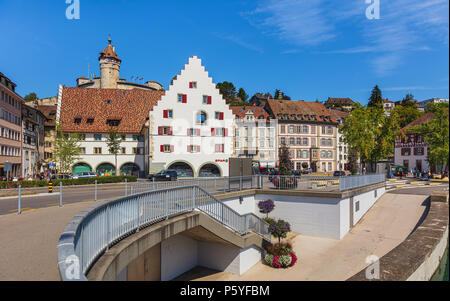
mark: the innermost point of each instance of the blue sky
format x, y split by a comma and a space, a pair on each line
310, 49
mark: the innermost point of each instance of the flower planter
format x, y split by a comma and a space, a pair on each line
280, 256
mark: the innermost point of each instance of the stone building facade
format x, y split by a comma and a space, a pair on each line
10, 128
309, 131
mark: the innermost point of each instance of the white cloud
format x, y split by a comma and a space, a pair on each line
405, 25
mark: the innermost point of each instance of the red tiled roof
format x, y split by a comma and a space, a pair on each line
387, 100
131, 107
304, 108
336, 114
419, 121
343, 101
49, 113
242, 110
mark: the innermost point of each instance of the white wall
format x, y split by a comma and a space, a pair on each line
228, 258
307, 215
184, 117
94, 160
366, 201
179, 254
248, 205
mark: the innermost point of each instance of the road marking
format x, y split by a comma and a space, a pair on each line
55, 204
23, 209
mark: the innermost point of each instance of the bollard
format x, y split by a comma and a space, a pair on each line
50, 186
95, 199
126, 188
60, 194
19, 206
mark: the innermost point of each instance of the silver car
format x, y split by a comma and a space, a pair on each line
85, 174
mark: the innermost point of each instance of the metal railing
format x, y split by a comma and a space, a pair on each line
95, 230
346, 183
212, 185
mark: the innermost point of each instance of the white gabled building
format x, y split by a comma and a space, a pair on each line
190, 128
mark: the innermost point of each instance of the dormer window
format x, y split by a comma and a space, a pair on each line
90, 121
113, 122
313, 117
108, 101
77, 121
300, 117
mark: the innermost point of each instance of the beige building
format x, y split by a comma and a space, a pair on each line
309, 131
10, 128
255, 136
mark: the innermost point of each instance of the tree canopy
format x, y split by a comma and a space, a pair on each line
228, 91
30, 97
242, 95
436, 134
370, 132
375, 98
67, 149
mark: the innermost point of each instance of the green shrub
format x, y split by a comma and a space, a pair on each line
269, 259
269, 220
68, 182
285, 260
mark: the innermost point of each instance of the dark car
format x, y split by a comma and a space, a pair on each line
338, 173
164, 175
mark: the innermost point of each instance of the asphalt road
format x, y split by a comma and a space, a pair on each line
72, 194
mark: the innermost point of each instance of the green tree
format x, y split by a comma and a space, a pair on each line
228, 91
370, 133
407, 113
375, 98
67, 150
285, 161
113, 141
436, 134
242, 95
30, 97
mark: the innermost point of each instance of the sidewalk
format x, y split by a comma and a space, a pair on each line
28, 242
384, 227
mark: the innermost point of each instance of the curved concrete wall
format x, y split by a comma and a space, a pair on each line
418, 257
178, 254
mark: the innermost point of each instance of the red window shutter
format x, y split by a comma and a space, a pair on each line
191, 85
162, 148
221, 116
225, 132
222, 148
184, 98
198, 148
209, 100
213, 132
160, 130
198, 132
172, 148
188, 132
165, 114
169, 131
188, 148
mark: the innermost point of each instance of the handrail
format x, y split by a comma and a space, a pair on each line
95, 230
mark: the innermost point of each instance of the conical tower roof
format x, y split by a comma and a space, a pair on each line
109, 52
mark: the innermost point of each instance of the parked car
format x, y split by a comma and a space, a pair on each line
164, 175
339, 173
85, 174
